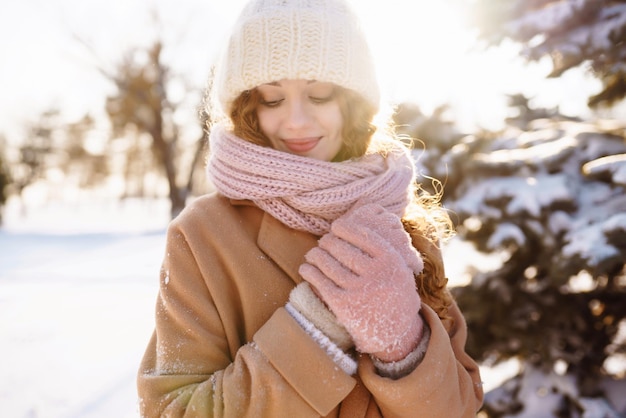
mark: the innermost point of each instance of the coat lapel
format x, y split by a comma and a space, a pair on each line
284, 245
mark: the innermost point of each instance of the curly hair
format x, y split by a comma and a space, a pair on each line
425, 220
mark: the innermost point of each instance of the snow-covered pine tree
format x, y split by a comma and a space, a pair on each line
552, 201
573, 33
548, 195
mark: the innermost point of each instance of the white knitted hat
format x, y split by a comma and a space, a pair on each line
296, 39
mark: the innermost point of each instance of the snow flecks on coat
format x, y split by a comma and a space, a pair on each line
165, 274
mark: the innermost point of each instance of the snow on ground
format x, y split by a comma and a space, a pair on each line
77, 289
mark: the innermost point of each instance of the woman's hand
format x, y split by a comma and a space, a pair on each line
363, 269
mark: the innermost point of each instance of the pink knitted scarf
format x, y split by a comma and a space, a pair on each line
304, 193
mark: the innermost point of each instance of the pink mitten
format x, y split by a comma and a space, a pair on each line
364, 271
387, 225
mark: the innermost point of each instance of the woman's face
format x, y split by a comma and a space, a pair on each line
301, 117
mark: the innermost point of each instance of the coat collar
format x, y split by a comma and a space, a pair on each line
284, 245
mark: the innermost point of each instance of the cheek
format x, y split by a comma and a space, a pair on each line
333, 119
266, 120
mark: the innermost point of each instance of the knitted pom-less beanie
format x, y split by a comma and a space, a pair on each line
296, 39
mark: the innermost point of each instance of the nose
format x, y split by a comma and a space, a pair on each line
298, 114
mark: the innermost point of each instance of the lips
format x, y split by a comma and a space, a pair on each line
301, 145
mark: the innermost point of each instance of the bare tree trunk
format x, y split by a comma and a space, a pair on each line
166, 153
201, 146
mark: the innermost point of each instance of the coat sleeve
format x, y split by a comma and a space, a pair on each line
446, 383
193, 368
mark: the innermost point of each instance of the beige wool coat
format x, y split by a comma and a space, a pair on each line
224, 346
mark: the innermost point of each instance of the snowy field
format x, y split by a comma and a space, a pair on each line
77, 289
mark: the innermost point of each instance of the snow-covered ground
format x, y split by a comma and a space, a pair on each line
77, 288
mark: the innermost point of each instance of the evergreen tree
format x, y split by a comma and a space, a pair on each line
573, 33
546, 196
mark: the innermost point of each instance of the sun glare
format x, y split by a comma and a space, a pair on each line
418, 46
426, 54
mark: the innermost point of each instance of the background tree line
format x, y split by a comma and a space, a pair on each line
147, 144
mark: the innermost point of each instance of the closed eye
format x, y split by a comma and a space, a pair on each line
322, 100
271, 103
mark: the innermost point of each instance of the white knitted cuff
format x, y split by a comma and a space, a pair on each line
397, 369
308, 304
341, 359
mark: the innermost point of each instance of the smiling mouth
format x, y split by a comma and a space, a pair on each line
301, 145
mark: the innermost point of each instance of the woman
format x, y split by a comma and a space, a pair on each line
311, 283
